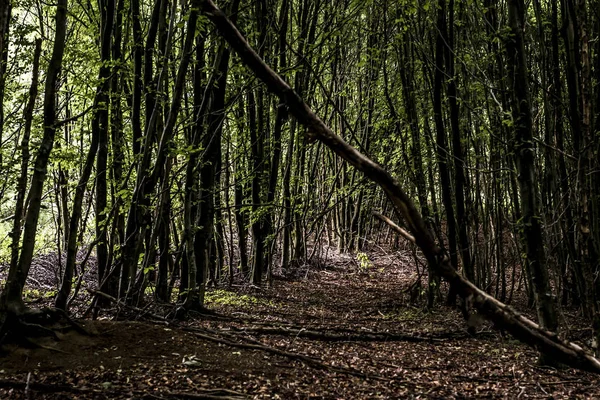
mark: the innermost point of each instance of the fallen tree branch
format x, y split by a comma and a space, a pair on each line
120, 303
337, 337
503, 316
201, 333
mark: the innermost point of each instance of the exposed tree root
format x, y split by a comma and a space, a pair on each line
32, 343
24, 327
141, 313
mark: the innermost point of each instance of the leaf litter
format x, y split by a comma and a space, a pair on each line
335, 332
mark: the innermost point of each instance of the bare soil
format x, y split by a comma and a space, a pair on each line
340, 331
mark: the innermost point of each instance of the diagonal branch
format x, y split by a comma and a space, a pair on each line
394, 226
502, 315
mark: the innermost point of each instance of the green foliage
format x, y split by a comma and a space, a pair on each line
404, 314
228, 298
36, 294
364, 263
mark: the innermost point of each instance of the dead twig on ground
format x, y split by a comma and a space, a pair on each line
141, 312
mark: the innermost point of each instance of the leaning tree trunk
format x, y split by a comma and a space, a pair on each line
25, 156
12, 296
503, 316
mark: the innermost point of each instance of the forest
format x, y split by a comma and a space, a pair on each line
299, 198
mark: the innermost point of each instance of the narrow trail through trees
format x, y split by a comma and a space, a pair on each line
339, 330
504, 317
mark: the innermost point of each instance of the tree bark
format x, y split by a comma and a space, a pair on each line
25, 156
535, 259
459, 160
12, 296
100, 128
136, 95
5, 15
441, 139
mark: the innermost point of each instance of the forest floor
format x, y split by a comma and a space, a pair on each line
345, 331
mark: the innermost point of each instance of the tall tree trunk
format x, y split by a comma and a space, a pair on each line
12, 296
5, 15
25, 156
240, 192
280, 119
441, 139
100, 128
535, 257
136, 96
210, 164
189, 272
257, 162
459, 160
111, 285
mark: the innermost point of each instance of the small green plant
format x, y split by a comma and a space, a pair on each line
225, 297
364, 264
36, 294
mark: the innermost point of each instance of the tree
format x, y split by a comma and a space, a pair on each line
11, 299
504, 317
535, 258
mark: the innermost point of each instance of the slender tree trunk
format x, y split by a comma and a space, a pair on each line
257, 225
111, 286
5, 15
100, 128
280, 119
525, 157
136, 97
189, 271
240, 193
12, 296
441, 140
459, 160
25, 156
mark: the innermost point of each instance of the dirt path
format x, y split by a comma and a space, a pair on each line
335, 333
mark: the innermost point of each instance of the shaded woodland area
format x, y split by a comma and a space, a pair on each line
157, 153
